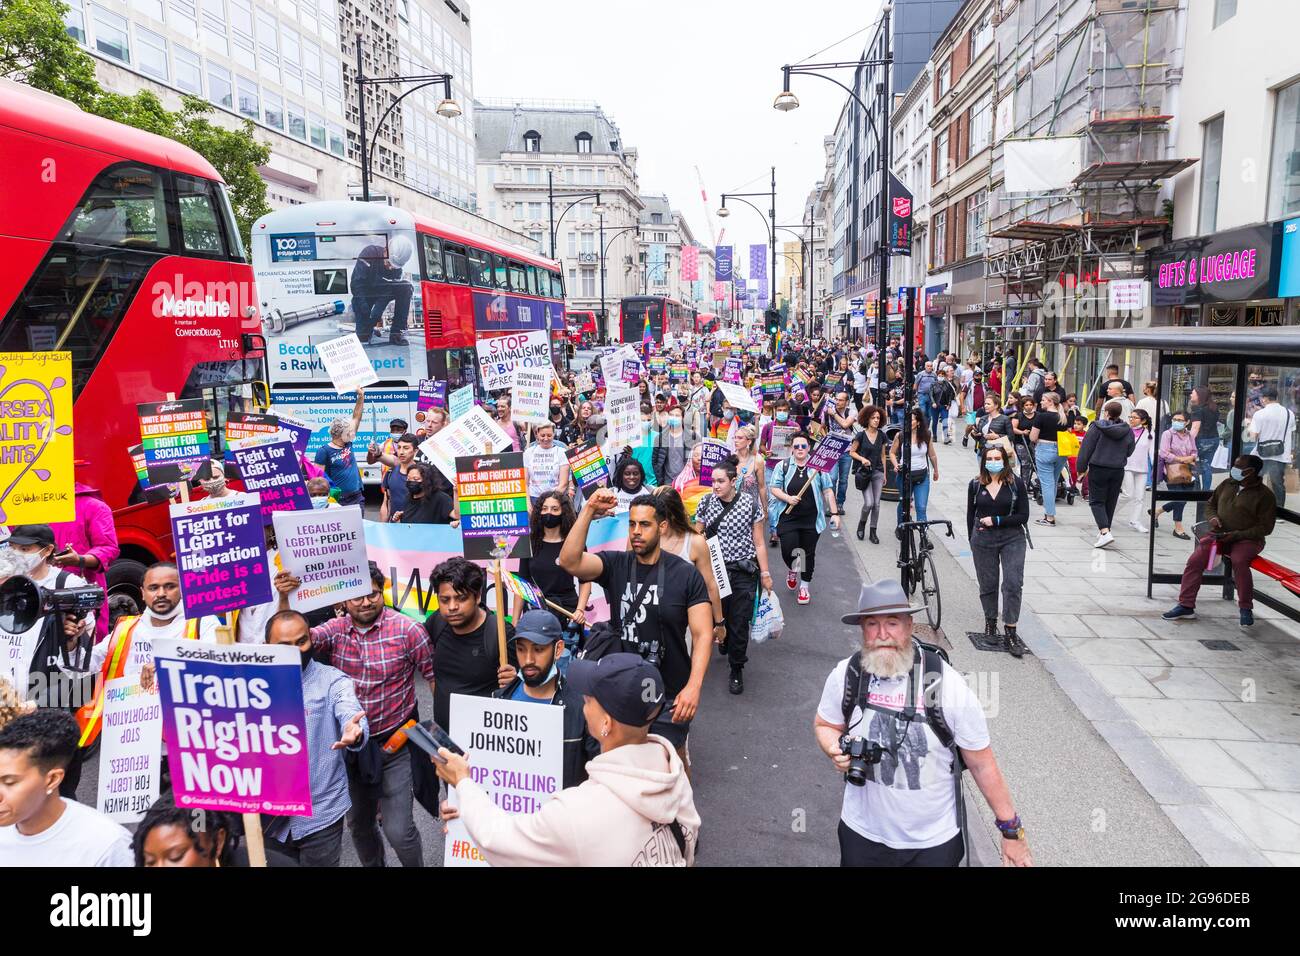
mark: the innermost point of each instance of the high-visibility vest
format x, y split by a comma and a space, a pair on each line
90, 716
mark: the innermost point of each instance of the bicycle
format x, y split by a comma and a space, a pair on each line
918, 566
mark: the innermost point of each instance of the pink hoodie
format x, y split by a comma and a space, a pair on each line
91, 532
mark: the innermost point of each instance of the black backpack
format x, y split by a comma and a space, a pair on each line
941, 392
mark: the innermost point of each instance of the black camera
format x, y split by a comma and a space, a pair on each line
23, 602
652, 652
861, 753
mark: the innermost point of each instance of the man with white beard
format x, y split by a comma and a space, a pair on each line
898, 705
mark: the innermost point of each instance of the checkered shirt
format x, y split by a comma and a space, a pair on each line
736, 530
381, 660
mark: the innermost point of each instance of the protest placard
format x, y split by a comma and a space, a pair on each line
460, 402
273, 472
221, 554
130, 754
346, 362
657, 364
678, 372
493, 495
151, 491
611, 364
712, 451
326, 551
36, 470
235, 725
782, 435
584, 383
631, 371
623, 417
587, 464
516, 754
175, 439
299, 432
470, 434
522, 589
433, 394
500, 355
733, 370
739, 396
828, 451
16, 653
530, 395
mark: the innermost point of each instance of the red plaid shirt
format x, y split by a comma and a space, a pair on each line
381, 660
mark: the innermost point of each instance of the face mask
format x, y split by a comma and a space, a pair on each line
550, 675
596, 421
414, 488
397, 435
26, 562
551, 521
993, 467
212, 485
1236, 474
1178, 426
169, 615
320, 501
306, 657
728, 414
675, 424
782, 416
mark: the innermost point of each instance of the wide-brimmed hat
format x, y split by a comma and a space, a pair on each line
878, 598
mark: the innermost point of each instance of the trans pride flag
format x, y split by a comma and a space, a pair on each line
408, 553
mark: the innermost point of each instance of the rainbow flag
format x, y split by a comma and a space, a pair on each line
646, 337
408, 553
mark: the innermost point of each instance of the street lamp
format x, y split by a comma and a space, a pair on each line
604, 251
598, 209
448, 108
723, 213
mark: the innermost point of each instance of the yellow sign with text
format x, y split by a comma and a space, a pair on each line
36, 438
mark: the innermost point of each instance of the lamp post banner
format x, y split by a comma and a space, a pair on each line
758, 264
722, 260
690, 264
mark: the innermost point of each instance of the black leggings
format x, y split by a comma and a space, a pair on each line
1103, 493
794, 540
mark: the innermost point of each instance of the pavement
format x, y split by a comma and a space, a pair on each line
1126, 739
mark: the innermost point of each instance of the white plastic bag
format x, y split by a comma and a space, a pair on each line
769, 622
1220, 461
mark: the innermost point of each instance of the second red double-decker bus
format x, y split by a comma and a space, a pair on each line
665, 315
418, 293
120, 247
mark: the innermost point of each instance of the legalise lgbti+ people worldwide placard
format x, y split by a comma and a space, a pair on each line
235, 726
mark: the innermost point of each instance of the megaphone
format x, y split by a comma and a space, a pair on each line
23, 602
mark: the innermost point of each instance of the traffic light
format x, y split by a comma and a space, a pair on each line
773, 318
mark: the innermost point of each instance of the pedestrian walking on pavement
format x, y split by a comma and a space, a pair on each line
809, 498
905, 807
1138, 467
921, 461
1103, 455
1178, 462
997, 515
1047, 424
868, 453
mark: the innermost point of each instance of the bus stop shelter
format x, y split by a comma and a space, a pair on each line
1234, 364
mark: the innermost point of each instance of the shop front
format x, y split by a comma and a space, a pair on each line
1226, 279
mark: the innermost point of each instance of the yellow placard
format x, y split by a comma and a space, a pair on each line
36, 438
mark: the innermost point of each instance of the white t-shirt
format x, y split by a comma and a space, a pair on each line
919, 460
141, 651
1274, 422
912, 806
81, 836
542, 466
17, 650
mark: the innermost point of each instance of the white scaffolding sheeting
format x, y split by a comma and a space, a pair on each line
1041, 165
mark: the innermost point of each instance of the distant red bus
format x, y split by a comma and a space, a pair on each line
706, 323
120, 247
580, 323
665, 314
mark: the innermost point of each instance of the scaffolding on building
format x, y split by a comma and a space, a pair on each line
1099, 70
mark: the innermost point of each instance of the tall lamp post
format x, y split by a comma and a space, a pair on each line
604, 251
576, 197
649, 268
769, 220
448, 108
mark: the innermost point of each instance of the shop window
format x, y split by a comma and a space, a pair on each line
1211, 164
1284, 170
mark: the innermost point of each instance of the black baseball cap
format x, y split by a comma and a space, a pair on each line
628, 687
40, 534
540, 627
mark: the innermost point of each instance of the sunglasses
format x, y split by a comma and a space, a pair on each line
801, 445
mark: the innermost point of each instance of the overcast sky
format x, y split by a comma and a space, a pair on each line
687, 83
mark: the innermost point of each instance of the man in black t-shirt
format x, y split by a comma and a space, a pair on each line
466, 658
654, 597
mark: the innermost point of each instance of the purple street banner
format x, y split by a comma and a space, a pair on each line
722, 264
828, 451
274, 473
758, 264
433, 394
221, 554
712, 452
235, 725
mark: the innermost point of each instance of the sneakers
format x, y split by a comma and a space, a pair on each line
1103, 540
737, 683
774, 541
1246, 617
804, 596
1137, 527
792, 580
1179, 611
1015, 646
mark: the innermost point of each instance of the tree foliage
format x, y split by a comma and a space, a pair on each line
35, 49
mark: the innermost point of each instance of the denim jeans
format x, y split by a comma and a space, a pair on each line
1049, 473
842, 468
928, 411
920, 497
1275, 473
1205, 449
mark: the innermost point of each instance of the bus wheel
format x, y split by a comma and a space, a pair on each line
126, 576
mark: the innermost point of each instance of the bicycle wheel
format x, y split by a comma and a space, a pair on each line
930, 591
908, 579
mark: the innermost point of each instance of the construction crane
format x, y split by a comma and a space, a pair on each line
708, 213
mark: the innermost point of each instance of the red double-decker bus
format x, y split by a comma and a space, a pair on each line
120, 247
419, 294
667, 316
